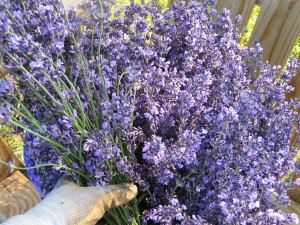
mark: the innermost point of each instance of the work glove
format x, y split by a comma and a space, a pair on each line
69, 204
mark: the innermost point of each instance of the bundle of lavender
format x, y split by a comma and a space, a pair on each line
167, 100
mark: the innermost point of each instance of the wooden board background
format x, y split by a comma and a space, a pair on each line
7, 155
17, 195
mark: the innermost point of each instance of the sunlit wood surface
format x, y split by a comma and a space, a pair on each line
17, 195
7, 155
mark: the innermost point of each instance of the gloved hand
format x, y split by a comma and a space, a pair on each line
68, 204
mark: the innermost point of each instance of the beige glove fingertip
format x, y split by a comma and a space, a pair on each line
116, 195
126, 194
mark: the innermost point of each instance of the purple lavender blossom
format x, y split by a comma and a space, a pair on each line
32, 156
168, 100
5, 113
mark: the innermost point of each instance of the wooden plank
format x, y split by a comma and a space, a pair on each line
288, 36
277, 28
237, 7
3, 72
6, 198
259, 2
17, 195
7, 155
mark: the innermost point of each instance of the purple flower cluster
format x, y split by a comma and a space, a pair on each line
34, 38
168, 100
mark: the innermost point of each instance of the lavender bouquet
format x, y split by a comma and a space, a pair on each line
167, 100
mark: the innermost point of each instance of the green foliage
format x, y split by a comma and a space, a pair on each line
249, 28
296, 48
13, 141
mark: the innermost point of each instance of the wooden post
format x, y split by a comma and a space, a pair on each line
277, 28
237, 7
